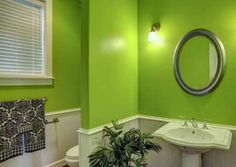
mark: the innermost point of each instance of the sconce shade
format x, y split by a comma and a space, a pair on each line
153, 34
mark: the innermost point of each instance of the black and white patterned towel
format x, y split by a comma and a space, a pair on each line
35, 139
10, 140
18, 119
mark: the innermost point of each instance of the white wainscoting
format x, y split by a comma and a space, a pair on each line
90, 139
170, 156
59, 138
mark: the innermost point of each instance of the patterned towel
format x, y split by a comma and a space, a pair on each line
18, 119
35, 139
10, 140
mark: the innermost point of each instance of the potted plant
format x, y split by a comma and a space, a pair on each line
123, 149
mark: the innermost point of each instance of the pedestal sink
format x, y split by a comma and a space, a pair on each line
194, 141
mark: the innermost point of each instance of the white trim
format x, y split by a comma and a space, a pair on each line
58, 163
229, 127
38, 2
48, 37
25, 81
24, 76
155, 118
72, 110
99, 128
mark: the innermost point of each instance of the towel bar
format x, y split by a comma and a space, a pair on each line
54, 120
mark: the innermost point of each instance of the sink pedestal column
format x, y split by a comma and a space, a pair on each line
191, 160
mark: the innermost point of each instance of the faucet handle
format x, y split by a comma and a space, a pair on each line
185, 123
204, 125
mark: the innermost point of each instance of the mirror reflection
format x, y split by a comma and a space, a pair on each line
198, 62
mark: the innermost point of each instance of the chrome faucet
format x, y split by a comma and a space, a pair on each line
194, 123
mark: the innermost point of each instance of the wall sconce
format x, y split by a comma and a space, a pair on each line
153, 34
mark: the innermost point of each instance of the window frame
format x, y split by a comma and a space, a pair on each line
47, 78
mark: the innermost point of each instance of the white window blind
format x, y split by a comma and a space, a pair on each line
22, 38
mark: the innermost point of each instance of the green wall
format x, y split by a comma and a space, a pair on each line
110, 61
64, 94
159, 93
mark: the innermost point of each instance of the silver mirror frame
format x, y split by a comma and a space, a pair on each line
221, 62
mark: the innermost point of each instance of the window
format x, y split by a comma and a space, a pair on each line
25, 42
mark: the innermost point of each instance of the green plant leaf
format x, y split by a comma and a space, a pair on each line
116, 125
122, 147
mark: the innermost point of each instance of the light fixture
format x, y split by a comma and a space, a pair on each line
153, 34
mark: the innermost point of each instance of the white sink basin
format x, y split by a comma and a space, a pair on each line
195, 139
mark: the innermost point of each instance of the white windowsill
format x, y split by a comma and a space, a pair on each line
26, 81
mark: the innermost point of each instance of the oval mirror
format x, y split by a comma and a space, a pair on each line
199, 62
